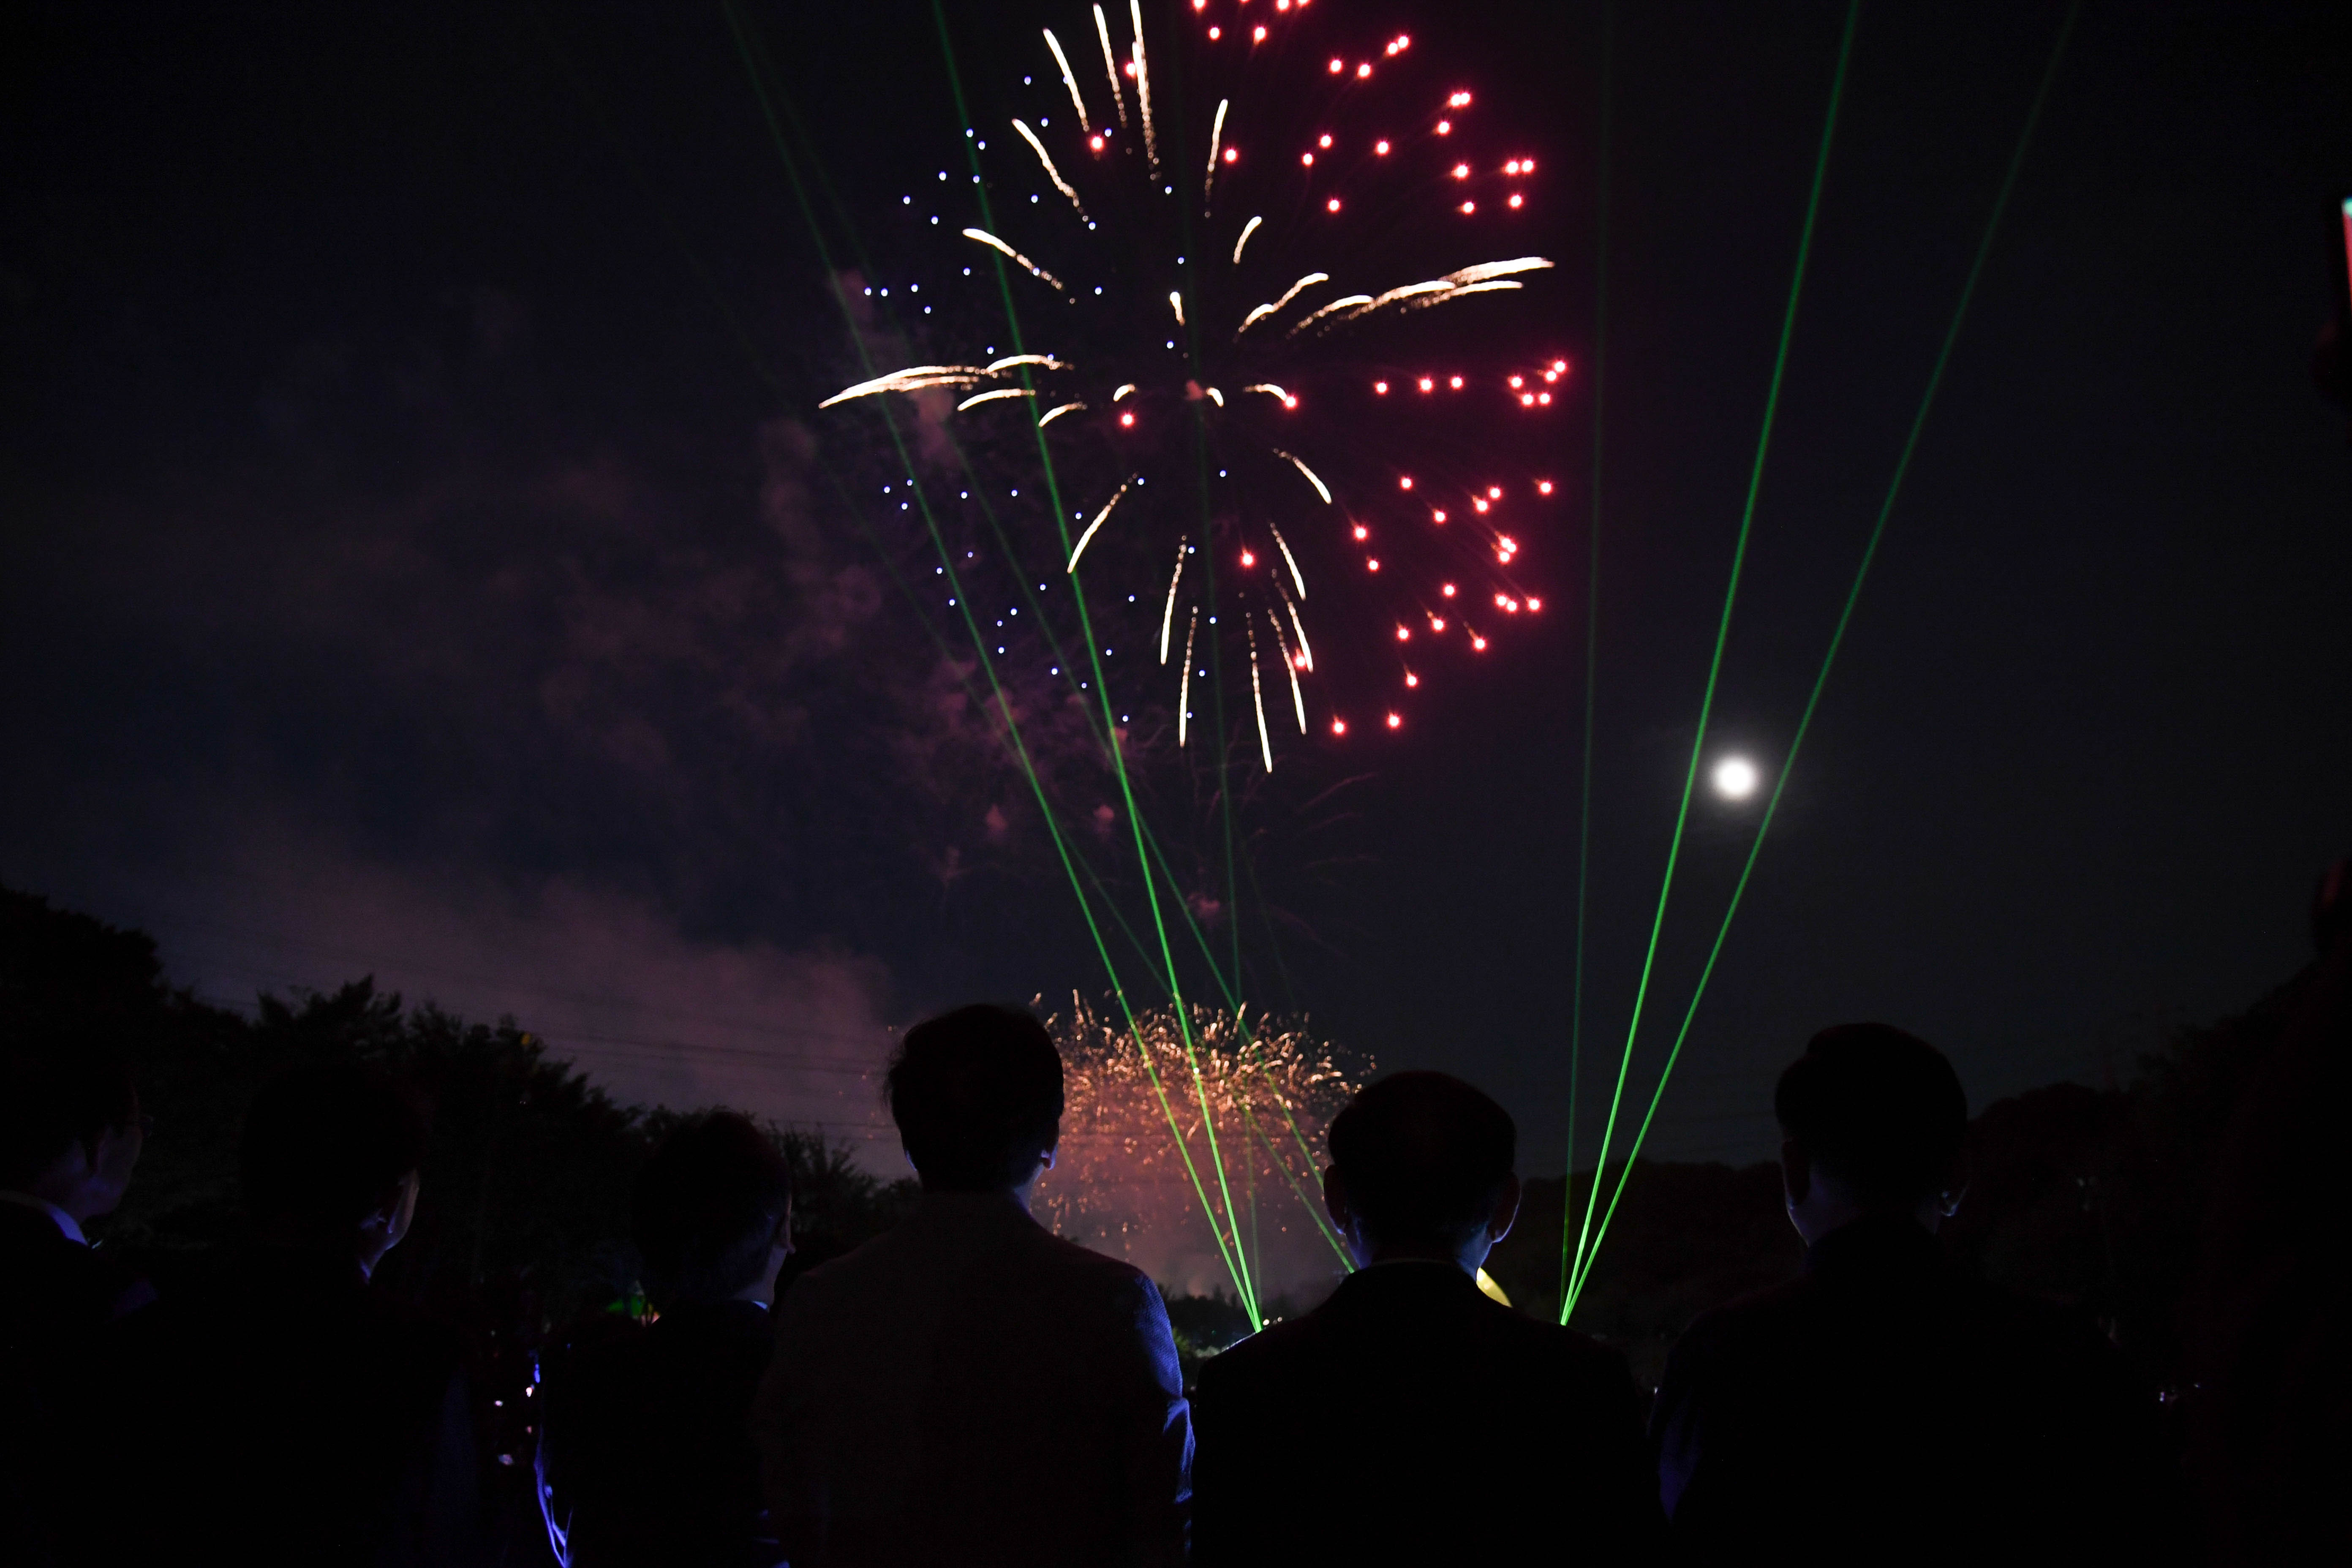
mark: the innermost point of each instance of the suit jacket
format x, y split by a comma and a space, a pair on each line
645, 1454
56, 1294
1410, 1419
969, 1388
273, 1409
1888, 1408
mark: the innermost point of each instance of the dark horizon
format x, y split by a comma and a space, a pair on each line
421, 556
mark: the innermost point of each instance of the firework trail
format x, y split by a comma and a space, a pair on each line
1267, 428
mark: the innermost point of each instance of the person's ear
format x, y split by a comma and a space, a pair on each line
1335, 1201
1796, 1172
1952, 1189
1506, 1211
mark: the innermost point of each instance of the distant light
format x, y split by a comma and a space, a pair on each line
1735, 778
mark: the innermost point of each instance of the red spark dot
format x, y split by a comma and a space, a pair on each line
1404, 633
1480, 503
1233, 154
1461, 171
1290, 400
1382, 387
1362, 71
1097, 144
1445, 127
1128, 420
1527, 166
1338, 726
1396, 721
1411, 678
1456, 383
1427, 384
1257, 35
1543, 487
1307, 160
1130, 67
1331, 206
1437, 517
1324, 142
1336, 67
1544, 399
1551, 375
1437, 623
1508, 545
1518, 382
1478, 644
1405, 42
1362, 532
1469, 207
1518, 201
1215, 33
1459, 100
1560, 364
1382, 148
1404, 481
1248, 559
1526, 400
1371, 566
1199, 5
1502, 602
1494, 492
1534, 604
1447, 590
1512, 167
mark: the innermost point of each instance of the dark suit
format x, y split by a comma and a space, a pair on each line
1410, 1419
56, 1293
970, 1389
1887, 1407
276, 1410
644, 1454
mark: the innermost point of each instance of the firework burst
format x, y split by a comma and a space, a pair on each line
1239, 282
1120, 1182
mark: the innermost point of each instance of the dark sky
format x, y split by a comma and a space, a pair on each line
422, 553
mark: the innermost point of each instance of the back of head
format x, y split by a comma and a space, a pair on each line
977, 1095
1878, 1109
325, 1146
52, 1098
1423, 1156
707, 1209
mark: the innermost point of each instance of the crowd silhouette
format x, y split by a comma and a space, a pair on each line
967, 1388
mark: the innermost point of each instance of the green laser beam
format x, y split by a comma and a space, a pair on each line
1730, 597
1592, 630
1853, 595
971, 627
1236, 1263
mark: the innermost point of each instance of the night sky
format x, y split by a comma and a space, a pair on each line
424, 555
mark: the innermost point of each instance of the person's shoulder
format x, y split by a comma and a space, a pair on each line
1745, 1324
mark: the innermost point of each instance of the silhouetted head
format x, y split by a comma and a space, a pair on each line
712, 1213
977, 1095
70, 1131
330, 1160
1878, 1112
1422, 1165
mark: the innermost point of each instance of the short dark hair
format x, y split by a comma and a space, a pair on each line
1422, 1155
977, 1095
1879, 1109
52, 1098
325, 1145
705, 1208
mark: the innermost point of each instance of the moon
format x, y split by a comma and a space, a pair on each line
1735, 778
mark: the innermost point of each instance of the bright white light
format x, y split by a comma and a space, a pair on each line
1735, 778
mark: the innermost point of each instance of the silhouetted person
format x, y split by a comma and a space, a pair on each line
969, 1388
1886, 1406
280, 1411
1411, 1418
71, 1134
2268, 1314
644, 1456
